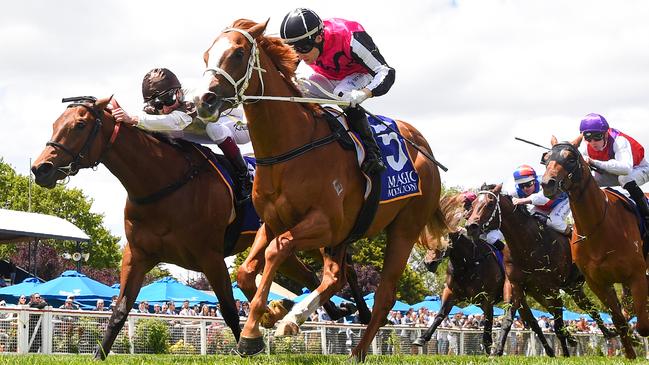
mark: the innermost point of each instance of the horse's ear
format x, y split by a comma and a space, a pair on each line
577, 141
102, 103
258, 29
553, 140
498, 188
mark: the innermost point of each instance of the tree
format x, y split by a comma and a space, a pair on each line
69, 204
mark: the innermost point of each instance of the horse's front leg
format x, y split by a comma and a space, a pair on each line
587, 305
488, 310
135, 265
309, 234
333, 279
528, 318
448, 301
254, 263
511, 304
608, 296
213, 266
555, 307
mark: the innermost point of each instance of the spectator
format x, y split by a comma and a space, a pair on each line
245, 306
68, 305
186, 310
164, 309
197, 309
212, 312
218, 311
143, 307
113, 302
74, 305
99, 307
157, 309
22, 300
205, 311
36, 301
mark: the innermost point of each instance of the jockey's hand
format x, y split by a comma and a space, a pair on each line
588, 160
123, 117
355, 97
519, 201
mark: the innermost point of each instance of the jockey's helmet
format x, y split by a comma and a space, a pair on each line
157, 82
300, 27
524, 174
593, 123
469, 196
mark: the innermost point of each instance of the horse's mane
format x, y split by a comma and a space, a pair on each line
282, 55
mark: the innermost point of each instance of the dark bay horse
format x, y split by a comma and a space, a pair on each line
606, 243
184, 225
473, 276
537, 263
312, 199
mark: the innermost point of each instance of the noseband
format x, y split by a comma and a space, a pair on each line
242, 84
73, 167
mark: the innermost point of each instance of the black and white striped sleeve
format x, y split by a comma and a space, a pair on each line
367, 53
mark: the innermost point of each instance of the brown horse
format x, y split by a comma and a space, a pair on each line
177, 211
606, 243
312, 200
537, 263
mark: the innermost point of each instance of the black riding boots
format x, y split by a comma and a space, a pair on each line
373, 163
640, 200
242, 179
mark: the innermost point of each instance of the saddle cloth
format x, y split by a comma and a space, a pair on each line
400, 180
631, 206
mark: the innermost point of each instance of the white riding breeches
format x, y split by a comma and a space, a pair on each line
318, 86
639, 174
229, 125
558, 216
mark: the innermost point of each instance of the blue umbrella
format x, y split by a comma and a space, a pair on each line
305, 292
13, 292
431, 304
498, 311
239, 295
72, 283
472, 309
605, 317
398, 305
169, 289
537, 313
572, 316
455, 310
115, 286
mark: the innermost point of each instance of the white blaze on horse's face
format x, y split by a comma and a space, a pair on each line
215, 55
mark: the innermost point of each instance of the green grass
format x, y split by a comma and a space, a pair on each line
304, 359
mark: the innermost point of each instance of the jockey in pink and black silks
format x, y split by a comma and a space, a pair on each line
620, 159
347, 65
528, 191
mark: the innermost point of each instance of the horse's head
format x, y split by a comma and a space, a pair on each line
230, 64
485, 212
75, 142
564, 167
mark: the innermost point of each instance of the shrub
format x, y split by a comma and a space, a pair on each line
151, 336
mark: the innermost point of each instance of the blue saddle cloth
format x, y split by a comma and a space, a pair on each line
498, 254
400, 180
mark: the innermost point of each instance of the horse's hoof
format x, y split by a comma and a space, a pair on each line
419, 342
250, 346
286, 328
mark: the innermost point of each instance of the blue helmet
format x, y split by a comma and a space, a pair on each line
523, 174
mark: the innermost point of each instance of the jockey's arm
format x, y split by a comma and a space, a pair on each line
174, 121
622, 164
366, 53
538, 198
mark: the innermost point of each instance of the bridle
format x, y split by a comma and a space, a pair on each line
87, 102
242, 84
485, 225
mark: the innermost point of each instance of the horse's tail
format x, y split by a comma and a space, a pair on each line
444, 220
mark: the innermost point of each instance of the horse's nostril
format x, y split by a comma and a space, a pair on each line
42, 169
209, 98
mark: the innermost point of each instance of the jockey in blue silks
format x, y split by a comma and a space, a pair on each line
528, 191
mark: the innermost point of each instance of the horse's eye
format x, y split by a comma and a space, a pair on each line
80, 125
238, 53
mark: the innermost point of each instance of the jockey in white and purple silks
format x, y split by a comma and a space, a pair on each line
347, 65
528, 191
166, 111
619, 158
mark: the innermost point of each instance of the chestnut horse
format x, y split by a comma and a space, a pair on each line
474, 275
184, 220
606, 243
537, 263
313, 199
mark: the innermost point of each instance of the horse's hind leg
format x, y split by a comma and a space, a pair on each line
587, 305
401, 238
364, 314
134, 267
512, 302
608, 296
448, 300
216, 272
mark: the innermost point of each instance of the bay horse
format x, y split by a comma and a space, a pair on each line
606, 243
537, 263
309, 193
474, 275
185, 216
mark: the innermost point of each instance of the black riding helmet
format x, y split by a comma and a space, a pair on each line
158, 81
300, 27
